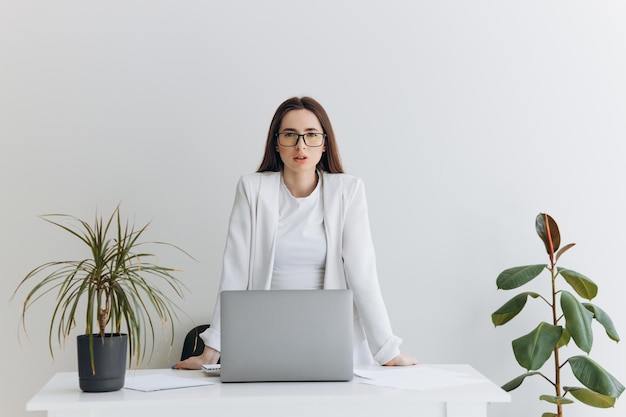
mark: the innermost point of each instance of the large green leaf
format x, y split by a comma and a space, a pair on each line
516, 382
583, 286
535, 348
542, 221
555, 400
591, 398
517, 276
549, 415
511, 308
577, 321
564, 340
594, 377
604, 320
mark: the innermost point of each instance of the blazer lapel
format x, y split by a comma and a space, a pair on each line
333, 223
265, 230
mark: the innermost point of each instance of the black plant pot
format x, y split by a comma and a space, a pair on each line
110, 362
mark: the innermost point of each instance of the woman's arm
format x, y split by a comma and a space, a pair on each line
209, 356
236, 259
361, 276
402, 360
234, 275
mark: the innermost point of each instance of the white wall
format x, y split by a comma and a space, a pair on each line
464, 118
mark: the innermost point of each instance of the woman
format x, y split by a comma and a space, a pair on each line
300, 223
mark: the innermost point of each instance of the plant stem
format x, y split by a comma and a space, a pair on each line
557, 368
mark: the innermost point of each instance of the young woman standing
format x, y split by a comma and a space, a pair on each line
299, 222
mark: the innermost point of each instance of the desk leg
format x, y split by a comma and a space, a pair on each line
466, 409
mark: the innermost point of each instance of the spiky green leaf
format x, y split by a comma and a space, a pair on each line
594, 377
604, 320
577, 321
516, 277
583, 286
117, 277
591, 398
535, 348
511, 308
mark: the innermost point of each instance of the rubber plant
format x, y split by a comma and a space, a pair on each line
570, 319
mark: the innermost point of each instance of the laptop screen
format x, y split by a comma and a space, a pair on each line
286, 335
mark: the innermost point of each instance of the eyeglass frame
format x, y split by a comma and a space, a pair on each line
277, 134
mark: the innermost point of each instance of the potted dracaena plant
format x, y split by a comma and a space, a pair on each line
570, 319
116, 288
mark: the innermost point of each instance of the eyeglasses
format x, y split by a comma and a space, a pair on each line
290, 139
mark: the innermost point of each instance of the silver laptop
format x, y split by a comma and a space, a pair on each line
286, 335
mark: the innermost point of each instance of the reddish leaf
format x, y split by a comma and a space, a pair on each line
542, 222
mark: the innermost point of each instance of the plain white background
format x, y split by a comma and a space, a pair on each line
465, 119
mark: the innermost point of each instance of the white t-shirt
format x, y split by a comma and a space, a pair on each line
300, 253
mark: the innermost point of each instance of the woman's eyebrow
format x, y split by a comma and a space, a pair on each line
310, 129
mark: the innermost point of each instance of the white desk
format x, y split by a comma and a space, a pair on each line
61, 397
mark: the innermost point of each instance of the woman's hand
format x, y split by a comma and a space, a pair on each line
402, 360
209, 356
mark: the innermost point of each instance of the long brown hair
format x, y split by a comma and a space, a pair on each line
330, 162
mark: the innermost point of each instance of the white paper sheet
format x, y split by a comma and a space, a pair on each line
419, 378
157, 382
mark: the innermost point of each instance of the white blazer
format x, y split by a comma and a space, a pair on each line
350, 261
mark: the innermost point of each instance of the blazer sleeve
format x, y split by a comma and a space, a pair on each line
236, 259
361, 276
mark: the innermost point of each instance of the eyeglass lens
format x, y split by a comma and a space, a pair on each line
312, 139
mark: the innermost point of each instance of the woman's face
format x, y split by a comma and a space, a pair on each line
302, 157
